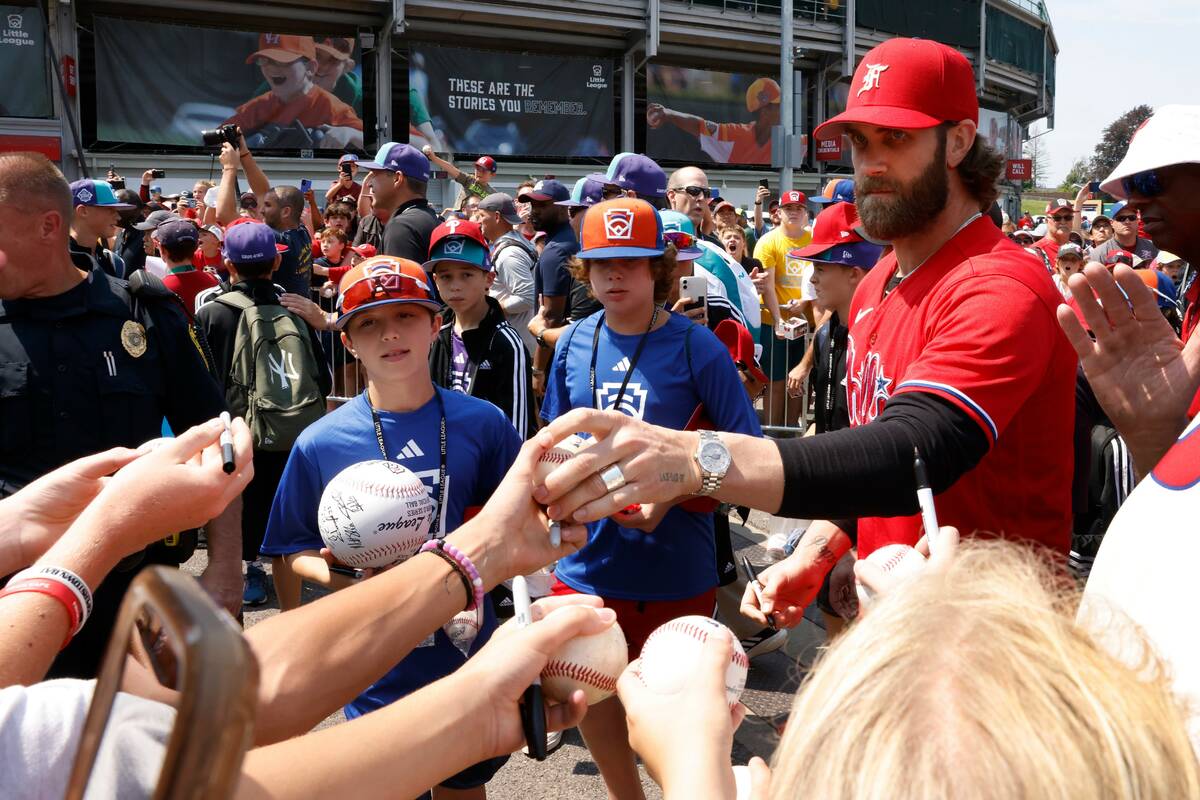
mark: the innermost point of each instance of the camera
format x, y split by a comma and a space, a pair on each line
225, 133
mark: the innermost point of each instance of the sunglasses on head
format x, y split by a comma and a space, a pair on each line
681, 239
1147, 184
695, 191
610, 191
384, 286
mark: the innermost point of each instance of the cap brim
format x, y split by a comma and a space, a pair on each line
282, 56
881, 116
620, 252
369, 165
340, 55
822, 200
145, 226
117, 206
811, 251
429, 265
541, 198
432, 305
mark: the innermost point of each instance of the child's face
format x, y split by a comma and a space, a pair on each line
332, 247
329, 70
834, 284
392, 340
461, 285
621, 284
286, 80
341, 223
1069, 266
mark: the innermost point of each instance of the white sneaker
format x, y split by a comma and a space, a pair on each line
776, 544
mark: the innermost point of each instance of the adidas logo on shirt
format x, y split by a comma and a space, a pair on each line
622, 365
411, 450
461, 358
486, 364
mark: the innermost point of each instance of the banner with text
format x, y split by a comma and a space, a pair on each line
23, 60
477, 101
163, 84
702, 116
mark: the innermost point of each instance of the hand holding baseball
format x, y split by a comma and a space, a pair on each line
790, 585
427, 150
879, 579
656, 115
497, 676
685, 737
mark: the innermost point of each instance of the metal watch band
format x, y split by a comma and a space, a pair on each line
709, 481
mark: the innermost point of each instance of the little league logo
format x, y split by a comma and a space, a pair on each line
871, 79
618, 223
453, 247
597, 70
15, 21
84, 196
633, 402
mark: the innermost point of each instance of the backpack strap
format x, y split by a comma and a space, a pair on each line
235, 300
146, 288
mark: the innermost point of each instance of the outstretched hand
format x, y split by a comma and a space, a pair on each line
1142, 375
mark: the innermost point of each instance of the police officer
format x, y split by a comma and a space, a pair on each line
88, 363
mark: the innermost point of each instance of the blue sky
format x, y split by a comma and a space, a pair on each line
1113, 56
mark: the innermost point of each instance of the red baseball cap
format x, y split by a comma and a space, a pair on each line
486, 162
792, 197
624, 227
740, 344
908, 83
1057, 203
838, 224
380, 281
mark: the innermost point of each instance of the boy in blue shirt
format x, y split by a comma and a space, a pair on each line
460, 447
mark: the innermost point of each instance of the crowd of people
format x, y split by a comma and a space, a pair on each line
1045, 373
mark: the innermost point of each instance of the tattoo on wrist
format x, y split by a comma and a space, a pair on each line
821, 545
672, 477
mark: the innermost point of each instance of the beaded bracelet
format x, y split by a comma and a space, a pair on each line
67, 578
456, 569
463, 565
53, 589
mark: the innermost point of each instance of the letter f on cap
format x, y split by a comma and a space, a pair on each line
871, 78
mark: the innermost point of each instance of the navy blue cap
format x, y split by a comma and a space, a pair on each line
402, 158
248, 242
640, 173
587, 191
177, 232
545, 190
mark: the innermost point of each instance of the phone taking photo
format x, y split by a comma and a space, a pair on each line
765, 183
693, 289
1094, 187
305, 186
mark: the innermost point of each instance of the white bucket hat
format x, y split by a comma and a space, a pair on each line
1171, 136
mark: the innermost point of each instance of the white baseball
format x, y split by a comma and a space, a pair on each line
462, 630
895, 559
374, 514
560, 454
670, 654
591, 663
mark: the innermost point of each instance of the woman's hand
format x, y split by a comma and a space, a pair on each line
306, 309
698, 315
514, 657
685, 738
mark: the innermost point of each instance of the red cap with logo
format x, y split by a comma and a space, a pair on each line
792, 197
624, 227
486, 163
908, 83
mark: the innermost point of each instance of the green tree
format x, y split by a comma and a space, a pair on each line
1080, 172
1115, 141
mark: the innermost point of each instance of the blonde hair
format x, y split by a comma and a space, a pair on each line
976, 683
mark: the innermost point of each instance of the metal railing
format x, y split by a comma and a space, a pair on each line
1035, 7
812, 10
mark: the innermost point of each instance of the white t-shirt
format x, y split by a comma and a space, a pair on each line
1142, 571
40, 726
156, 266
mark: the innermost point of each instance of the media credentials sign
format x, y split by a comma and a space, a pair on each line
477, 101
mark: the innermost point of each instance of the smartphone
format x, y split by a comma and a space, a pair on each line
117, 184
158, 173
344, 168
305, 186
765, 183
1094, 187
693, 289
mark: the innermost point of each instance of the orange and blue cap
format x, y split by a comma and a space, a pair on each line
383, 280
624, 227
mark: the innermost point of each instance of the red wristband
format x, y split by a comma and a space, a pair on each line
56, 590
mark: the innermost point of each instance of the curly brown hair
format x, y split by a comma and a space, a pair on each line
662, 269
980, 168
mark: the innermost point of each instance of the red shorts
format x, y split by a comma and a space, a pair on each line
639, 618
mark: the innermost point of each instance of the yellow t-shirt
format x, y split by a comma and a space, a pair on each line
772, 250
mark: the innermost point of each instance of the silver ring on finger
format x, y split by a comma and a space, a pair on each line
612, 477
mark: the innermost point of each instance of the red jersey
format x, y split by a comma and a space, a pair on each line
201, 261
187, 283
975, 326
1050, 247
315, 108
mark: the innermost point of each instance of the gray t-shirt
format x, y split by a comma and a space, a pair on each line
40, 726
1142, 248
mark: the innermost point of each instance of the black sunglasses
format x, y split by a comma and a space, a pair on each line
1126, 218
1147, 184
694, 191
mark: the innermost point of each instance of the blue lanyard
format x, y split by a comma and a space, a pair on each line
435, 528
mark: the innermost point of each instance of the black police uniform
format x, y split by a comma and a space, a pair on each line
95, 367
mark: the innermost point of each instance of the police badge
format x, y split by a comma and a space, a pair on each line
133, 338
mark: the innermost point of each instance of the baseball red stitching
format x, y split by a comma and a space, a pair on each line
696, 632
556, 456
577, 672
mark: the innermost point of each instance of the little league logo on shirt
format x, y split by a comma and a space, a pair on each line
633, 402
793, 268
618, 223
869, 387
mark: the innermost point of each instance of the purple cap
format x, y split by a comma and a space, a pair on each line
587, 191
249, 242
548, 189
402, 158
639, 173
177, 232
96, 193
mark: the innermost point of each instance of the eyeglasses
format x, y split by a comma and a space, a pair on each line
681, 239
384, 286
1062, 217
694, 191
1126, 218
1146, 184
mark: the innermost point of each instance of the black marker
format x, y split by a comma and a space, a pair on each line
925, 500
533, 706
227, 444
757, 586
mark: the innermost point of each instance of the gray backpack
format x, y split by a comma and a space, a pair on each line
272, 382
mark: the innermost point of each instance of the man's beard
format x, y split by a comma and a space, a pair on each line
911, 208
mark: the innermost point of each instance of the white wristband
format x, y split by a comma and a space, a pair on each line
67, 578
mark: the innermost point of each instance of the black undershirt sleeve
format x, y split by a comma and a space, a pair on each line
868, 471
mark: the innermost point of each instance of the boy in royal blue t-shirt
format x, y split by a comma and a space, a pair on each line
389, 319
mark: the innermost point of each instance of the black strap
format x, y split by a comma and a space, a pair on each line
637, 353
435, 529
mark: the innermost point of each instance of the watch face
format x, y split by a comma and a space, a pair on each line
714, 457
